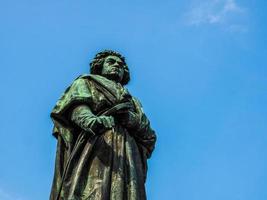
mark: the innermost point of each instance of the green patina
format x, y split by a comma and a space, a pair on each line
104, 137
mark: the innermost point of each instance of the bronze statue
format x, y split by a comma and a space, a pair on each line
104, 137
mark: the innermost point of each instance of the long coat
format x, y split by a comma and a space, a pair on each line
91, 166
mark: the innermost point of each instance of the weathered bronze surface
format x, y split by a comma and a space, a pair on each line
104, 137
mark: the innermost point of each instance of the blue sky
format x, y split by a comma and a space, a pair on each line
198, 67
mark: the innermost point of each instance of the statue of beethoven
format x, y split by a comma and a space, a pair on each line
103, 136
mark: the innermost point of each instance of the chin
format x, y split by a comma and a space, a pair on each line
114, 77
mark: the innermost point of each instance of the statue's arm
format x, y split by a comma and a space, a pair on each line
146, 136
83, 117
143, 132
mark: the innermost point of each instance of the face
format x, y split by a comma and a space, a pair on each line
113, 68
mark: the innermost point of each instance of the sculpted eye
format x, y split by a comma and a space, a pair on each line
120, 63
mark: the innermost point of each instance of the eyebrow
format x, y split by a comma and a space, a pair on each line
112, 59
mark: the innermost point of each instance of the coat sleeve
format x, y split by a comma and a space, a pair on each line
79, 92
83, 117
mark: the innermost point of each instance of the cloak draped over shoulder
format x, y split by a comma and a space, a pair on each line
91, 166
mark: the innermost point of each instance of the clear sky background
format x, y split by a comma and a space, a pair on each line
198, 67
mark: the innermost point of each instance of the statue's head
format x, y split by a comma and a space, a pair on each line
111, 65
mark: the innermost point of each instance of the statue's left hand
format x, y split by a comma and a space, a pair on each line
128, 118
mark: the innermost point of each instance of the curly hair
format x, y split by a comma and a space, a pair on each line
97, 64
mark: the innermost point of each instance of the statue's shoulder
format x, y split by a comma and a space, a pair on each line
89, 77
86, 82
83, 79
83, 76
79, 83
93, 79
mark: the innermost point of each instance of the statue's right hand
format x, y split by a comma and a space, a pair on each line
83, 117
107, 123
